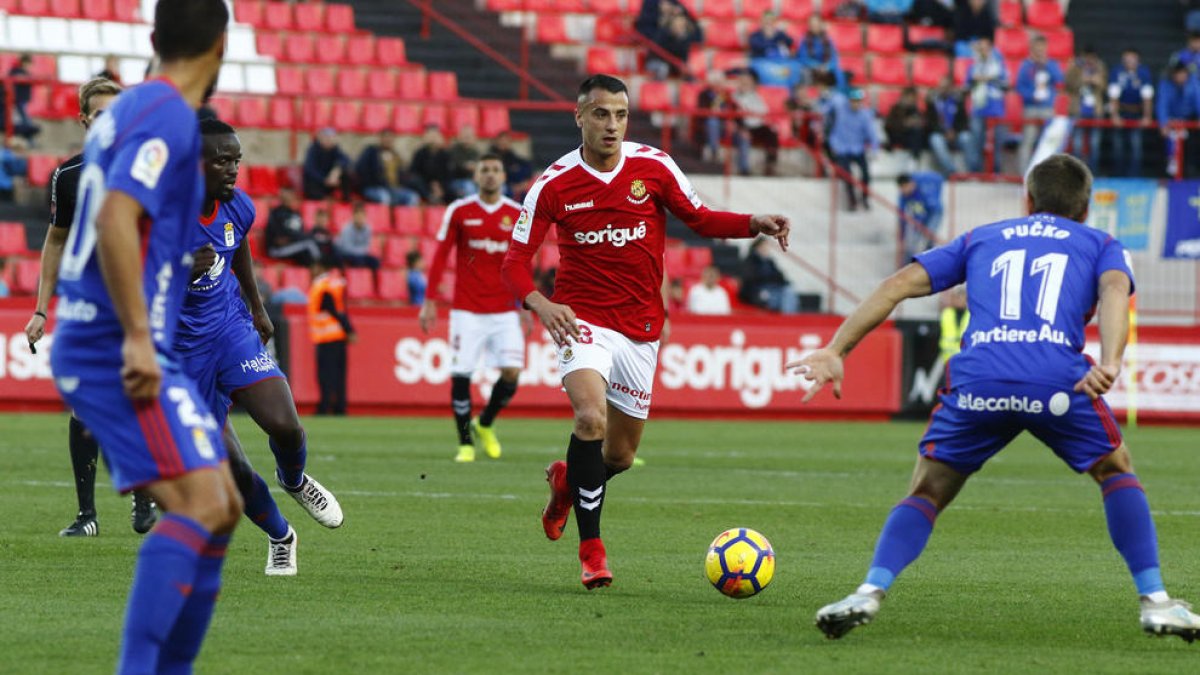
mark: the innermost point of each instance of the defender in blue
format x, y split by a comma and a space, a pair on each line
122, 280
1032, 285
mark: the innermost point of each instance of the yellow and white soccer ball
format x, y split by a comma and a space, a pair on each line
740, 562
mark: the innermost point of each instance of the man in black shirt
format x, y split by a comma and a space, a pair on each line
286, 238
94, 97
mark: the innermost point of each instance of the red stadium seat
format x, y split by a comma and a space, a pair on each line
601, 60
492, 120
885, 99
675, 258
39, 168
719, 9
129, 11
376, 116
505, 5
1010, 13
295, 277
346, 115
754, 9
65, 9
226, 110
443, 85
722, 35
360, 49
270, 273
1044, 14
432, 216
316, 113
26, 276
269, 43
264, 181
407, 119
609, 7
393, 285
434, 115
389, 51
699, 257
796, 11
310, 17
929, 69
406, 220
278, 16
552, 29
282, 113
1013, 43
885, 39
379, 216
66, 100
289, 81
549, 257
394, 251
12, 239
1014, 107
410, 84
919, 34
298, 48
34, 7
359, 284
351, 82
654, 96
847, 37
463, 116
728, 60
381, 83
308, 211
330, 49
889, 70
775, 97
319, 81
611, 29
250, 13
855, 67
1060, 44
339, 18
99, 10
961, 68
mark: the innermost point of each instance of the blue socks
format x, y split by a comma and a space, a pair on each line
163, 582
903, 538
1132, 530
289, 464
183, 643
260, 507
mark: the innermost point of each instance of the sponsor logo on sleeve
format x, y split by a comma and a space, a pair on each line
521, 229
149, 163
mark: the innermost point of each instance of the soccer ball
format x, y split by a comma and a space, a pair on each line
740, 562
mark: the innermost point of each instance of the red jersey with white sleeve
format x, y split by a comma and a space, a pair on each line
481, 233
611, 233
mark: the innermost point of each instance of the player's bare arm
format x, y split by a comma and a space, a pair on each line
775, 226
558, 319
118, 249
52, 251
427, 317
243, 269
1114, 333
825, 365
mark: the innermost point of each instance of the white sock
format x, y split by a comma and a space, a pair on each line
870, 589
1157, 596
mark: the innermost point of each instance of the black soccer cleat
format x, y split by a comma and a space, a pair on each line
85, 525
144, 514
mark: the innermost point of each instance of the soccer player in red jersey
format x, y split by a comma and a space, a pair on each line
484, 316
608, 200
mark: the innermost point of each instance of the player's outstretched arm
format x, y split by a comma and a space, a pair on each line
119, 251
52, 251
775, 226
243, 269
824, 365
1114, 334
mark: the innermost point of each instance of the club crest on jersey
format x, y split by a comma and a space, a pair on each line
637, 192
506, 223
229, 240
567, 355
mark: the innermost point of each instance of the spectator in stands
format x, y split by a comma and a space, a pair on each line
286, 238
656, 14
464, 155
13, 164
806, 124
973, 19
770, 41
22, 94
825, 103
517, 169
933, 13
888, 11
987, 78
1131, 105
417, 282
946, 117
1084, 86
918, 214
709, 296
676, 298
906, 126
753, 127
676, 39
1190, 54
4, 291
762, 284
851, 137
431, 164
817, 55
1178, 101
354, 241
851, 10
381, 173
1037, 82
713, 100
112, 69
326, 167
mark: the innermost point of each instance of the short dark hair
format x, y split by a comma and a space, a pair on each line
488, 156
1061, 185
606, 82
411, 257
211, 126
188, 28
903, 179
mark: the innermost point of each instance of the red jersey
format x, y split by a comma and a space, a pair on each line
481, 232
611, 234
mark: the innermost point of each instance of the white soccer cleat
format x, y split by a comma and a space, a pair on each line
843, 616
1173, 617
316, 500
281, 555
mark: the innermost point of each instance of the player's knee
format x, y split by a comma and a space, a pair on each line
618, 464
510, 375
286, 431
1116, 463
590, 424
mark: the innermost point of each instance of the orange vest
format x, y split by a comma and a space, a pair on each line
322, 326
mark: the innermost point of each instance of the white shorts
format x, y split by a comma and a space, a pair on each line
626, 365
472, 335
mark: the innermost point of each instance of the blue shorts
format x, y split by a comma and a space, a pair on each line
234, 359
973, 422
143, 442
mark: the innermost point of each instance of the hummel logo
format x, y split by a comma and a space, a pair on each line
581, 205
590, 499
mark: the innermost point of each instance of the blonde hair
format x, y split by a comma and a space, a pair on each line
97, 86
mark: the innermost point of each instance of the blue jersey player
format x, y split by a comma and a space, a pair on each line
221, 346
1032, 285
122, 280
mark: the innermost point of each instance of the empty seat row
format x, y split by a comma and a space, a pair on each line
361, 116
412, 83
313, 17
362, 49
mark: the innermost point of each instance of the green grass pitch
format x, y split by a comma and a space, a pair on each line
444, 568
